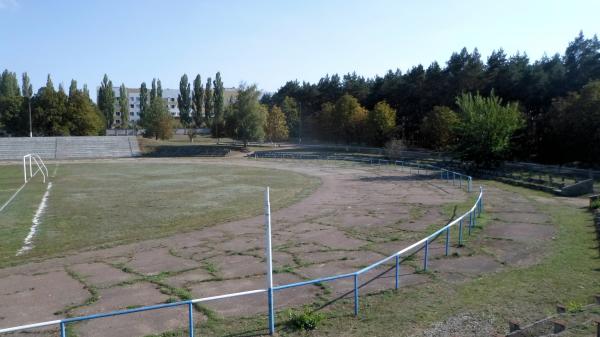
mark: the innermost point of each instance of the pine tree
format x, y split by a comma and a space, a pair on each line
86, 91
184, 101
72, 88
198, 101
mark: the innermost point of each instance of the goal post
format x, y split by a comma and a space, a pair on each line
29, 160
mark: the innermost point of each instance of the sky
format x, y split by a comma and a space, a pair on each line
270, 42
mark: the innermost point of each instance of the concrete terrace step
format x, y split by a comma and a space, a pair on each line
69, 147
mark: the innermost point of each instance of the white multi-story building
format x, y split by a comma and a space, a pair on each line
169, 97
133, 100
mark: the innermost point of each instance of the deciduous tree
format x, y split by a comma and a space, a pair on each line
276, 127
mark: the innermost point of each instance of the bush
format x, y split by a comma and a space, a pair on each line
306, 319
394, 148
595, 204
486, 128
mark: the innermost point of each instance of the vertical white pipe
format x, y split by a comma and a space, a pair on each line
30, 169
24, 169
268, 239
269, 255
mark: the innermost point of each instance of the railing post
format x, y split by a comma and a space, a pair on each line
447, 240
469, 185
470, 222
63, 330
268, 254
356, 294
24, 170
425, 258
191, 319
453, 178
460, 232
460, 181
397, 270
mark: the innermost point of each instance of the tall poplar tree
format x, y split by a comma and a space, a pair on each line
159, 88
198, 100
218, 120
143, 101
106, 100
124, 106
153, 90
208, 101
184, 101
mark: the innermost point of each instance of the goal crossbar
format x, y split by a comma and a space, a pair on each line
28, 161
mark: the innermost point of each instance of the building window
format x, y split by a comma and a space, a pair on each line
118, 113
172, 106
118, 121
131, 113
172, 99
131, 106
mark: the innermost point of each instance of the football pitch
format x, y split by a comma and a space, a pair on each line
93, 205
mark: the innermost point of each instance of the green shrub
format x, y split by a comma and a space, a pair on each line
305, 319
595, 204
574, 306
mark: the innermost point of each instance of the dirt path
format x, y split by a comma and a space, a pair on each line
358, 215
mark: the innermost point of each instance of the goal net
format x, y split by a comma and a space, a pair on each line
34, 161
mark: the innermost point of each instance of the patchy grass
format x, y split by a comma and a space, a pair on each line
569, 273
102, 204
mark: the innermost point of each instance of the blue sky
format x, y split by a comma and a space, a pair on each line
270, 42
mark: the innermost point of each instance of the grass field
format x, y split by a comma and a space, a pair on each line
100, 204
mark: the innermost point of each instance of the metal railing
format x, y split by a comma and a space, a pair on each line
456, 178
471, 215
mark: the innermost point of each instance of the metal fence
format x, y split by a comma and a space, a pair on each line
456, 178
465, 222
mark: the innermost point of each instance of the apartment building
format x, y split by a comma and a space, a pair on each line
169, 97
133, 100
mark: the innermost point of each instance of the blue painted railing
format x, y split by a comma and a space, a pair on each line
472, 214
457, 179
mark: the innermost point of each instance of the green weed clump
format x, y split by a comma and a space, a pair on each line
305, 319
574, 306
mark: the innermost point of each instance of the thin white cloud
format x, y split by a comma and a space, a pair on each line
4, 4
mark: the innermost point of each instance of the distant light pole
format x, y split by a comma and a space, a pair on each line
30, 128
300, 123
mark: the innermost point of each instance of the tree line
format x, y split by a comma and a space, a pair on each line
556, 96
54, 112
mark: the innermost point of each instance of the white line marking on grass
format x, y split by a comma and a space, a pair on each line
17, 192
11, 198
27, 243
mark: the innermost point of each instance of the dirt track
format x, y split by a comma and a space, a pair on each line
358, 215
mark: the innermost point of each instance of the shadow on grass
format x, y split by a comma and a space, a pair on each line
191, 150
412, 177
